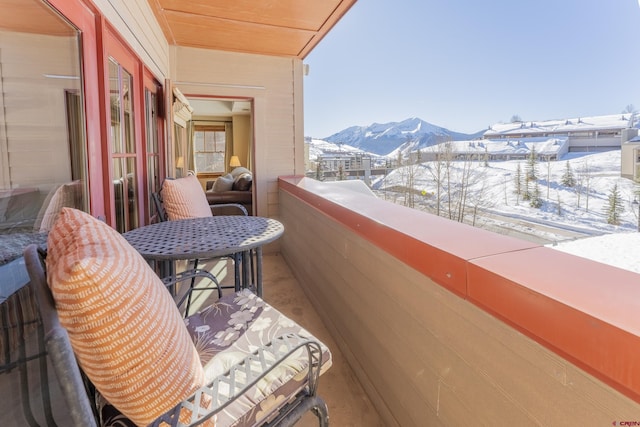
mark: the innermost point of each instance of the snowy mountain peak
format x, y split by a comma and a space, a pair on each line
384, 138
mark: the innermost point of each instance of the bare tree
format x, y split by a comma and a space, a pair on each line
548, 175
447, 172
407, 177
410, 192
629, 109
583, 184
319, 170
438, 168
464, 187
478, 199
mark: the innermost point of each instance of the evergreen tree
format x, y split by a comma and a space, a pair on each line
532, 165
526, 194
535, 201
568, 179
614, 207
518, 180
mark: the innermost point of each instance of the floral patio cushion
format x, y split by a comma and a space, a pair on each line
224, 333
235, 326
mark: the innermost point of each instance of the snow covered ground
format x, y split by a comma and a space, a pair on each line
620, 250
582, 208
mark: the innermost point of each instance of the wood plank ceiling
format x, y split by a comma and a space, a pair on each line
32, 17
290, 28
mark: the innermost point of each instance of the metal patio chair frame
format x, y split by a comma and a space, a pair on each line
79, 393
238, 258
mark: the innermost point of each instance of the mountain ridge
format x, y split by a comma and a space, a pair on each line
384, 138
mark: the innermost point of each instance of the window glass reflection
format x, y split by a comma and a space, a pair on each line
42, 145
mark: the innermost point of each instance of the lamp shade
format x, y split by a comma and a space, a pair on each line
234, 162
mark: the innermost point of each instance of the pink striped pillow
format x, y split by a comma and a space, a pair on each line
124, 327
184, 198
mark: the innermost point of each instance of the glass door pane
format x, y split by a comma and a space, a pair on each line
42, 125
123, 147
152, 135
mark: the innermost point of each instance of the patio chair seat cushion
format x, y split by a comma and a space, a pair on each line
124, 327
184, 198
235, 326
224, 334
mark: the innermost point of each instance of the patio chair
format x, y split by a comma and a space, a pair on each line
191, 201
122, 362
186, 199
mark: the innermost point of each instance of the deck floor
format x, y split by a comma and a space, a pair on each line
347, 402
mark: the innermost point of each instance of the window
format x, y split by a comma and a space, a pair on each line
123, 146
153, 144
43, 153
210, 143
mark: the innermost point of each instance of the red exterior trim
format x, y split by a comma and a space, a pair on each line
86, 20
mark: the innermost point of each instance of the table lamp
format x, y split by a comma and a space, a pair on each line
234, 162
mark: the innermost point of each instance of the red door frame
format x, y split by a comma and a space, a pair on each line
153, 85
86, 19
99, 41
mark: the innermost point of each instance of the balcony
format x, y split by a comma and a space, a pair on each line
446, 324
348, 403
433, 322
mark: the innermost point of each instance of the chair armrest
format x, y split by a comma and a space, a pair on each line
226, 388
191, 274
70, 377
221, 206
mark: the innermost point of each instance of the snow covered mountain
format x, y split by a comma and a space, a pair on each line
384, 138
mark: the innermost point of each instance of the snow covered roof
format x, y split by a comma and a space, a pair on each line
610, 122
543, 145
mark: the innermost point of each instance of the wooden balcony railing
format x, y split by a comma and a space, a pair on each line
448, 324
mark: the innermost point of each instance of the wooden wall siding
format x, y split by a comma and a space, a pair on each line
425, 355
268, 81
135, 22
5, 178
34, 108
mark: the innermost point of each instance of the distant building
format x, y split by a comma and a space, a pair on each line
546, 148
598, 133
630, 155
551, 140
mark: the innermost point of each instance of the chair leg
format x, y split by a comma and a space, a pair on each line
237, 260
191, 286
320, 410
298, 408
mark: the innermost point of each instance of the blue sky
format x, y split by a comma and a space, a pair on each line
465, 64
